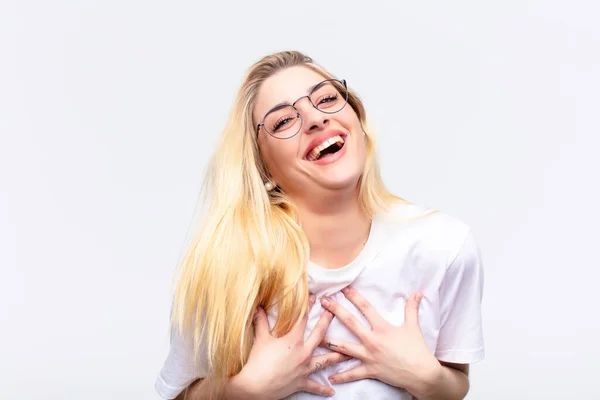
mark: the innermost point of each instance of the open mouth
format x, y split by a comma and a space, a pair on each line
328, 147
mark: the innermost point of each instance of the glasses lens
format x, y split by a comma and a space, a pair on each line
330, 96
282, 122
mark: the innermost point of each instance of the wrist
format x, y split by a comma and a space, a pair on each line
424, 386
237, 389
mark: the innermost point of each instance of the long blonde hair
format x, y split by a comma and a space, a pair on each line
249, 249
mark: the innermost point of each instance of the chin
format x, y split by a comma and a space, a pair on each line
341, 182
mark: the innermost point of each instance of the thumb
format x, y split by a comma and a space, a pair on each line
411, 310
261, 324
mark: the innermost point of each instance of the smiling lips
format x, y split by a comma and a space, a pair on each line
316, 152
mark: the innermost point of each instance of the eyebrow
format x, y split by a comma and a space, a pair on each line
316, 86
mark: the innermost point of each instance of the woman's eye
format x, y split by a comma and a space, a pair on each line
327, 99
281, 123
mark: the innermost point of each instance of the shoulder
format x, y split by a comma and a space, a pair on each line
431, 233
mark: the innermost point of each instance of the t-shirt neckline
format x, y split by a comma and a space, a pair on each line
320, 278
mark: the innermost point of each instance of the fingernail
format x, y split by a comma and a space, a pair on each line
331, 379
325, 301
345, 290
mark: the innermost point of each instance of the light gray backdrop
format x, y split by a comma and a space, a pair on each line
109, 111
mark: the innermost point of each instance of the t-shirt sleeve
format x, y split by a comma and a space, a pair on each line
180, 368
460, 338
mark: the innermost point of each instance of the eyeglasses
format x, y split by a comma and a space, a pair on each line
284, 120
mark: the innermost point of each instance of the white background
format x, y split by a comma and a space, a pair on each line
109, 110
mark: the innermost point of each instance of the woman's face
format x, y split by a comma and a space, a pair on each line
311, 159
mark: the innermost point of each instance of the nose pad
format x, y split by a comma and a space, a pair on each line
313, 118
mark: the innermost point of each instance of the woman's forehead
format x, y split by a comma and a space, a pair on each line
285, 87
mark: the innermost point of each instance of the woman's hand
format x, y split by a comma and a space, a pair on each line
278, 367
396, 355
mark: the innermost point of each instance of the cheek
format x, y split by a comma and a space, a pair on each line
267, 156
349, 120
278, 155
361, 151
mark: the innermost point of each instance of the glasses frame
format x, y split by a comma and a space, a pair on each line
293, 105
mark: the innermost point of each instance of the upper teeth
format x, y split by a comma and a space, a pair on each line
316, 151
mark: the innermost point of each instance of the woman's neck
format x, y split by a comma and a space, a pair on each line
336, 234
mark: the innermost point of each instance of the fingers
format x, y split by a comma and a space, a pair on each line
354, 374
411, 310
313, 387
325, 360
311, 301
375, 319
318, 332
261, 324
347, 319
355, 350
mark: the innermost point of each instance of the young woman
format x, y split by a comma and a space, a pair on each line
307, 278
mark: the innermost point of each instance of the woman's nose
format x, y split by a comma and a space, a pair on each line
312, 118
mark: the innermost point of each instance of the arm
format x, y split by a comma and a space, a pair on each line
195, 391
461, 327
450, 383
201, 390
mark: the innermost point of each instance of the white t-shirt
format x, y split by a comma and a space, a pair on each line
407, 251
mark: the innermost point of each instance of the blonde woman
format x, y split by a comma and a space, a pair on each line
307, 278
